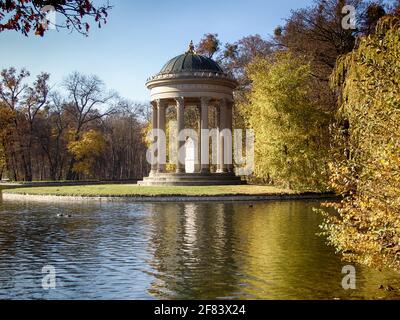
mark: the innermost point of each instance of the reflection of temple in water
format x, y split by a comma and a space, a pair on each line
185, 251
192, 250
222, 250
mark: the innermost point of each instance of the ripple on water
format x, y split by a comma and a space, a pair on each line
177, 251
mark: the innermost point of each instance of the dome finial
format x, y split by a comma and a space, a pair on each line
191, 48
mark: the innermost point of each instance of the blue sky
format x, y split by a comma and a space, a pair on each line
140, 36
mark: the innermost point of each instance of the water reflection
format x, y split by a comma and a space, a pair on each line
193, 251
179, 251
269, 251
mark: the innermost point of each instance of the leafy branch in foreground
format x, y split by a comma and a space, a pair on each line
26, 15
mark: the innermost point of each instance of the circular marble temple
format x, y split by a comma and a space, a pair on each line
193, 80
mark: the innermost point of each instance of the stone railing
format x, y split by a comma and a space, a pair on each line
196, 74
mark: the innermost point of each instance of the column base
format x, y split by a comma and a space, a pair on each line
161, 170
153, 172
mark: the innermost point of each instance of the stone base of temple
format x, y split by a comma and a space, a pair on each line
191, 179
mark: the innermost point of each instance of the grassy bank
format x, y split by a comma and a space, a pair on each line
117, 190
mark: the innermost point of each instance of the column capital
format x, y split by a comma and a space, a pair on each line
227, 101
223, 102
180, 100
161, 103
205, 100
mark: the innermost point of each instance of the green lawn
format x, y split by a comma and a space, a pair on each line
119, 190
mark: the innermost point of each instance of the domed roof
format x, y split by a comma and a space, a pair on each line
190, 61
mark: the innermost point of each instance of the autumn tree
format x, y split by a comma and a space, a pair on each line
291, 127
317, 33
77, 131
208, 45
52, 135
6, 130
27, 15
25, 102
125, 154
86, 150
365, 161
238, 55
371, 16
2, 161
87, 96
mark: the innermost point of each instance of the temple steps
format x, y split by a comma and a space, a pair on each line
191, 179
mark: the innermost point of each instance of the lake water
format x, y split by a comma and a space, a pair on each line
174, 251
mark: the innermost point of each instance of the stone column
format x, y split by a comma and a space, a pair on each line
204, 136
197, 165
230, 167
221, 126
154, 123
180, 107
161, 106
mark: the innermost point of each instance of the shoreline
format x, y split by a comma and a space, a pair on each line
178, 198
22, 184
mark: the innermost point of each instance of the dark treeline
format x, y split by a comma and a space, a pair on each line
80, 132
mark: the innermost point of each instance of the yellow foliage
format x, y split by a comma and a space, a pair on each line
291, 130
86, 150
366, 164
